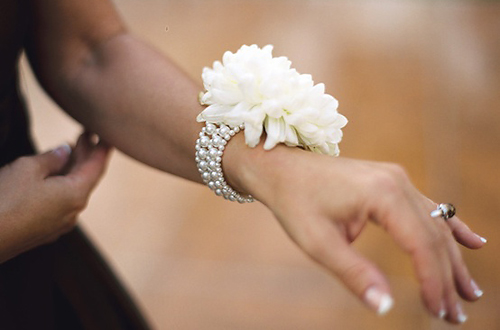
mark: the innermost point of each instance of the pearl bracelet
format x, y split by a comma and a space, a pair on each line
209, 150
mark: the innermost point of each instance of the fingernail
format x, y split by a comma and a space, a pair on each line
63, 150
484, 240
461, 317
93, 138
477, 291
442, 311
378, 300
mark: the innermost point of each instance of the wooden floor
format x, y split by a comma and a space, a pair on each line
420, 84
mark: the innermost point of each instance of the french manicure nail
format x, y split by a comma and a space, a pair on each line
62, 150
378, 300
442, 311
461, 317
477, 291
484, 240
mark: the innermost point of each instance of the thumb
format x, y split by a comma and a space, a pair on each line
53, 162
90, 164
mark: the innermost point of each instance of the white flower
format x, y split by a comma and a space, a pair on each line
252, 88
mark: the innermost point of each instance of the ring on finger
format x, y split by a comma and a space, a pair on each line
444, 210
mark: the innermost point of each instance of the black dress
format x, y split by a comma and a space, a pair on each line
67, 284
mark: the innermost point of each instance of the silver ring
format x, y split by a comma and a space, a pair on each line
444, 211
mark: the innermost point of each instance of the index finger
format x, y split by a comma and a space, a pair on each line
413, 230
326, 245
90, 163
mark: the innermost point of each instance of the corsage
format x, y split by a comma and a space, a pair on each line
254, 92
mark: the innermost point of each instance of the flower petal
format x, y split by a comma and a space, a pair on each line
252, 135
251, 86
214, 113
275, 131
291, 136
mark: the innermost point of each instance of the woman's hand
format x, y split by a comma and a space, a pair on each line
324, 203
42, 195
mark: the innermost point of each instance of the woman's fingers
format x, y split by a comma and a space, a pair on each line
453, 311
464, 235
432, 267
440, 268
405, 216
51, 162
439, 263
329, 247
465, 285
437, 283
89, 163
87, 166
43, 194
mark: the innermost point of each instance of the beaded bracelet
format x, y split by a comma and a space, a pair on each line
209, 150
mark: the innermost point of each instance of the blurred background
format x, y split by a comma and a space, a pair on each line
420, 84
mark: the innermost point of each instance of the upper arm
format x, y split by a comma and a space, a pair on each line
64, 33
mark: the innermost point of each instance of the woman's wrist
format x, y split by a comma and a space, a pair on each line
254, 171
233, 163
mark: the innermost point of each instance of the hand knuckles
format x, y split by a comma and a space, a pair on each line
384, 181
396, 170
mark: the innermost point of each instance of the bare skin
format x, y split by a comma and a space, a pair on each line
324, 221
43, 194
140, 102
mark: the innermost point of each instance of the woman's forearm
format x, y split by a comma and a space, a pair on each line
138, 101
114, 84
